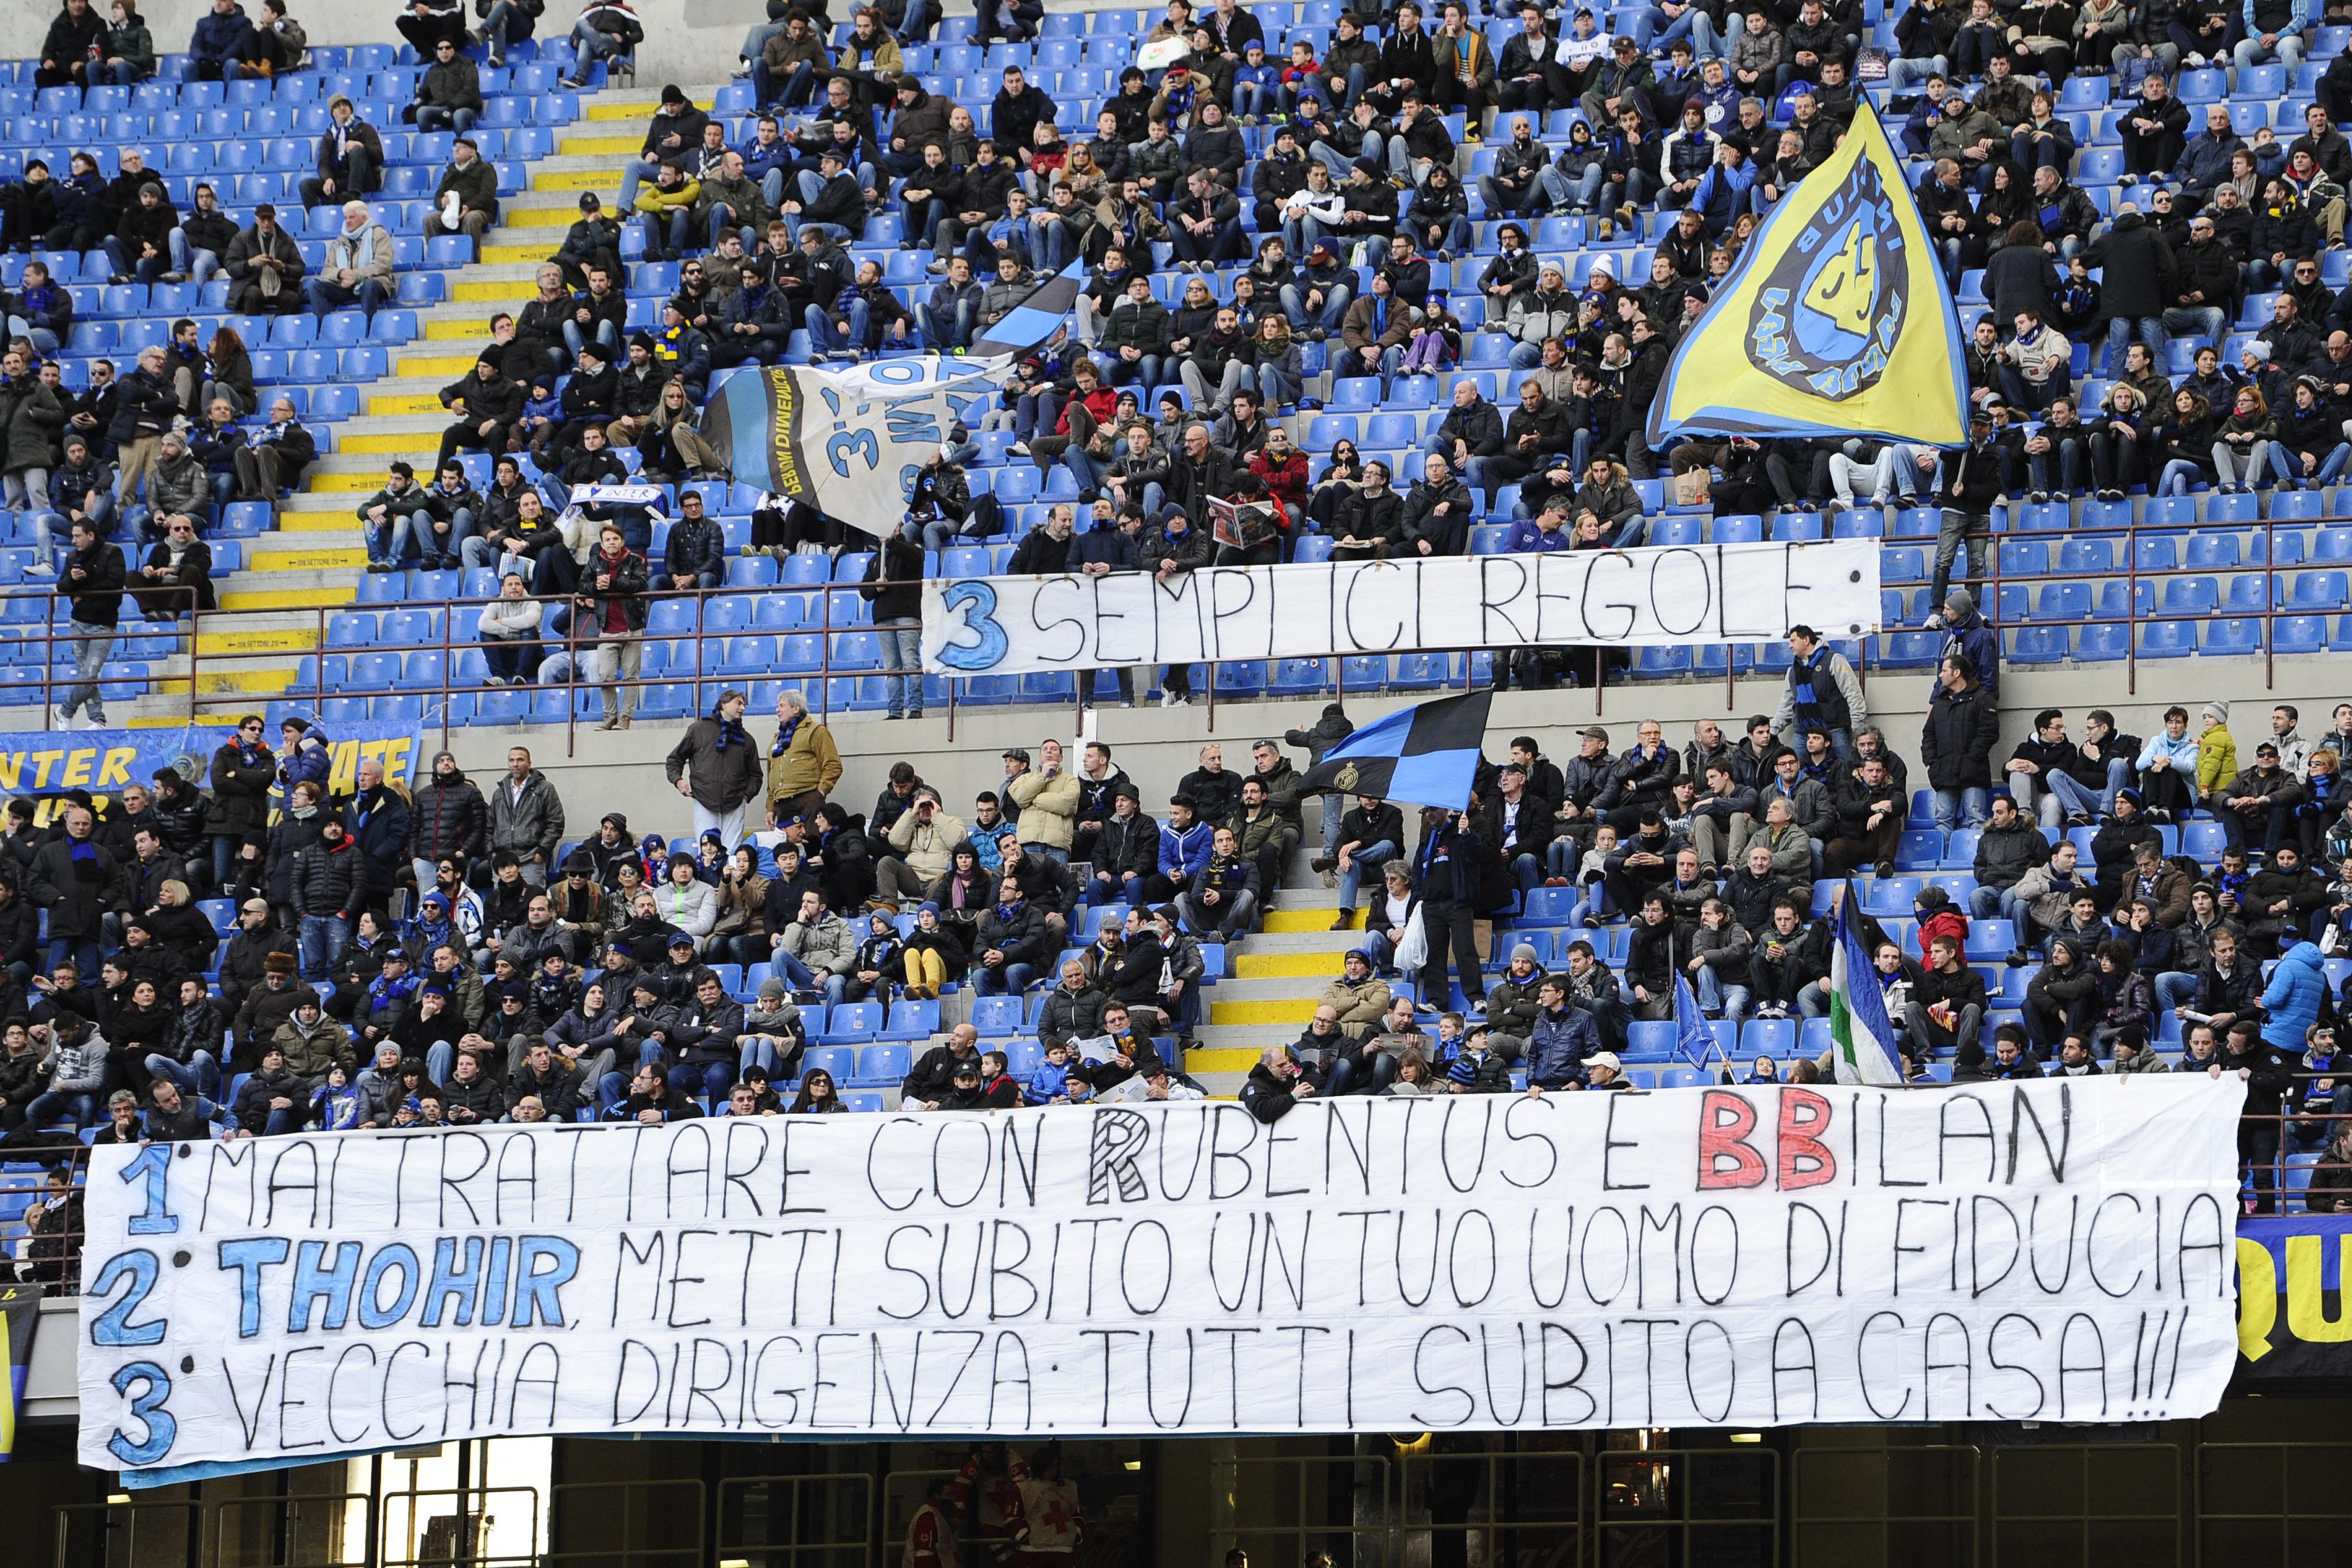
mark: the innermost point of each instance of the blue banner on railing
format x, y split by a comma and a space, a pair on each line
2292, 1317
43, 765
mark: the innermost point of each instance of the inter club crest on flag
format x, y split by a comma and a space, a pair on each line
1836, 321
1828, 314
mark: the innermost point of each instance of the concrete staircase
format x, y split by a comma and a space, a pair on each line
314, 560
1274, 978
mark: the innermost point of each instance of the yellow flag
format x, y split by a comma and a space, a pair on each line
1837, 320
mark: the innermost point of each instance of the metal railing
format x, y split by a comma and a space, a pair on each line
820, 1520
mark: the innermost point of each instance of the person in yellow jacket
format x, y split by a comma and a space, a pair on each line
1045, 799
668, 207
2217, 752
802, 765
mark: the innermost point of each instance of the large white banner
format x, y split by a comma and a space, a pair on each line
1666, 596
2058, 1250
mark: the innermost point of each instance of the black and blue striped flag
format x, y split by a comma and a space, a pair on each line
1423, 755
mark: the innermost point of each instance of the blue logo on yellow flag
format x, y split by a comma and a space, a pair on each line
1836, 321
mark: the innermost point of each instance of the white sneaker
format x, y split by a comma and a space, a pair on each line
741, 72
1174, 699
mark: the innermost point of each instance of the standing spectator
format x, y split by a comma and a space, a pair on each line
803, 765
716, 765
78, 880
525, 817
894, 586
1956, 744
92, 584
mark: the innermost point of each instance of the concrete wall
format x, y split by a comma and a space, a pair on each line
1157, 746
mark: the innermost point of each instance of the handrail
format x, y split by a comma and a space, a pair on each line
197, 625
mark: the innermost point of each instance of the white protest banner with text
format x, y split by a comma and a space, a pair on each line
1668, 597
2057, 1250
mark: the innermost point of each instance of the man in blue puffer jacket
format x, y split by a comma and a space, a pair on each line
2299, 986
306, 753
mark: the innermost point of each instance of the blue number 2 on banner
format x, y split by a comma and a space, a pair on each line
847, 444
974, 606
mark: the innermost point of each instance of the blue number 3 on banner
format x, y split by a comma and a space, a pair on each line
841, 448
973, 605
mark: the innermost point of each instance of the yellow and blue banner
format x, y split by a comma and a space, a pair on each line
1837, 321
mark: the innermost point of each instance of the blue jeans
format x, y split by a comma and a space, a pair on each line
2175, 988
61, 1105
322, 941
145, 268
444, 547
2080, 801
593, 45
667, 233
49, 527
84, 954
387, 545
498, 29
831, 339
1715, 996
611, 1090
201, 1074
1352, 877
606, 334
1009, 981
1328, 317
800, 977
954, 333
708, 1081
902, 655
2149, 330
2287, 464
1952, 806
433, 117
633, 175
90, 646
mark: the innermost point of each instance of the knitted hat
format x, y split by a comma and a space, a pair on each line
2218, 711
771, 988
1960, 602
1526, 951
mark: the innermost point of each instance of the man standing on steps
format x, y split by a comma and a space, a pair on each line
92, 582
716, 765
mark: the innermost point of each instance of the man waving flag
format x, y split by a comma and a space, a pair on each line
1858, 1021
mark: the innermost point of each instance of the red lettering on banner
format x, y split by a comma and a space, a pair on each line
1726, 1159
1805, 1160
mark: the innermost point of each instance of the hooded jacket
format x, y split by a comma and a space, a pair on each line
2296, 991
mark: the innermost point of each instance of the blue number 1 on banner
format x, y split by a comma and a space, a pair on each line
154, 1162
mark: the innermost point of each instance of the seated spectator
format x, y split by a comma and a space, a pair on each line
466, 199
358, 266
264, 264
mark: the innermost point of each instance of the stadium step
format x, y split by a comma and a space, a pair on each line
1303, 921
312, 556
324, 596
